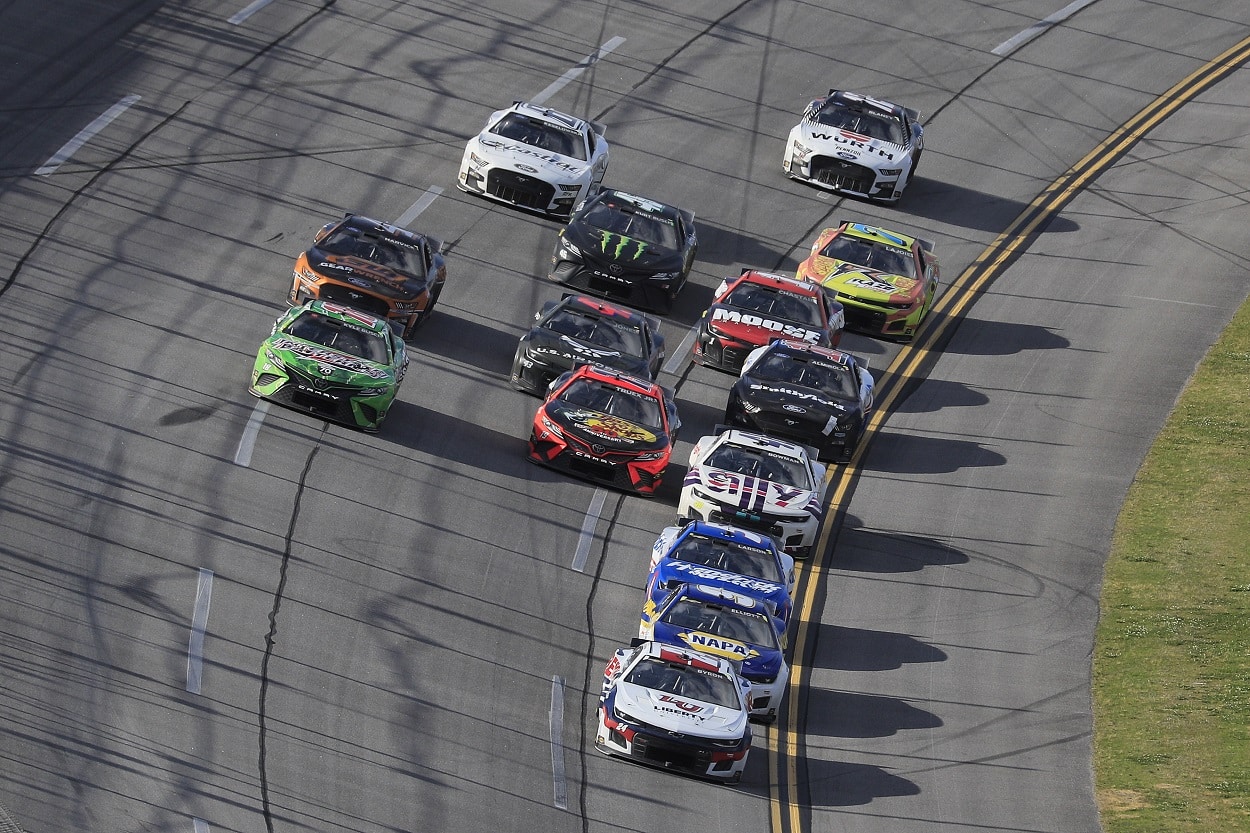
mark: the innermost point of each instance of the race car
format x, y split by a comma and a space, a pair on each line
626, 247
535, 158
886, 281
727, 558
756, 307
756, 482
378, 268
671, 707
606, 426
720, 622
856, 145
333, 361
798, 391
581, 330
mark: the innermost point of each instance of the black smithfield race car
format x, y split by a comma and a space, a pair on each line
626, 247
801, 392
581, 330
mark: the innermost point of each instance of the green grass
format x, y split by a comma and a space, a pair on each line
1172, 657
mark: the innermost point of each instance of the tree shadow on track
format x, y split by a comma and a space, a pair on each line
844, 784
856, 649
878, 551
904, 453
969, 208
935, 394
848, 714
976, 337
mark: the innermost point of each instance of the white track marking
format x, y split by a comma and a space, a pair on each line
243, 454
585, 64
85, 135
199, 622
678, 359
1011, 44
246, 12
199, 826
417, 207
589, 523
555, 720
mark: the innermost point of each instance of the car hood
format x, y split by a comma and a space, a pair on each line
373, 278
530, 160
611, 432
853, 147
751, 494
784, 396
323, 363
566, 351
859, 281
755, 659
679, 714
757, 328
630, 252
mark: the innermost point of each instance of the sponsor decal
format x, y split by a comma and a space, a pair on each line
667, 655
795, 392
610, 427
366, 268
712, 574
854, 142
718, 646
794, 409
748, 319
529, 169
871, 284
552, 159
614, 668
752, 493
680, 706
624, 245
326, 358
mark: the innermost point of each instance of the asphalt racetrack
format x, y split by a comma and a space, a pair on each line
221, 616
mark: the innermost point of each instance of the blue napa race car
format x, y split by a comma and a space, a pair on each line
727, 558
728, 625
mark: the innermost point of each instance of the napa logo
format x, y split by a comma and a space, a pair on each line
623, 245
718, 645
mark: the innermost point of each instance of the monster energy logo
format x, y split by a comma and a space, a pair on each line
622, 244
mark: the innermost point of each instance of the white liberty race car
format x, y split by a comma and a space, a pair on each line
856, 145
676, 708
756, 482
535, 158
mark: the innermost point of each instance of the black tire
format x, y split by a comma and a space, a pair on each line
912, 173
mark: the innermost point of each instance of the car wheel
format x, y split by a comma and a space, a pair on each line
912, 173
802, 553
410, 327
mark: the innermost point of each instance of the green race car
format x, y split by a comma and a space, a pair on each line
333, 361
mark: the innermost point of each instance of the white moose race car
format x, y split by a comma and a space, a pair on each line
856, 145
676, 708
756, 482
535, 158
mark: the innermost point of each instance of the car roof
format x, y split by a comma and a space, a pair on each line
640, 203
877, 235
687, 656
618, 377
349, 315
361, 223
778, 281
827, 353
556, 117
725, 597
859, 101
762, 442
725, 532
602, 307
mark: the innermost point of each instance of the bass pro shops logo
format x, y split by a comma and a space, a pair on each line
623, 245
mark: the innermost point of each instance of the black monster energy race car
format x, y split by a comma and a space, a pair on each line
629, 248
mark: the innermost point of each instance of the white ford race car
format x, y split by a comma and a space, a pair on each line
535, 158
672, 707
756, 482
856, 145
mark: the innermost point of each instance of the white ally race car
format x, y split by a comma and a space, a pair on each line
535, 158
675, 708
756, 482
856, 145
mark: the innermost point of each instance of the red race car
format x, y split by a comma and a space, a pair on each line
606, 426
757, 307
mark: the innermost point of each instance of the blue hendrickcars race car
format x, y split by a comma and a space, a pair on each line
727, 558
728, 625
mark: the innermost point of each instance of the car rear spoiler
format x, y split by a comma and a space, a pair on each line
927, 245
914, 115
599, 127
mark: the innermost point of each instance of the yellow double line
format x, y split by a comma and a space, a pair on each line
783, 741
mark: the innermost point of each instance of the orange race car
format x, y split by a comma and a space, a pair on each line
384, 270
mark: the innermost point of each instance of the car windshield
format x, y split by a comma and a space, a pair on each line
609, 333
622, 219
721, 620
835, 380
788, 306
605, 398
542, 135
369, 345
351, 242
864, 122
685, 681
879, 256
728, 556
754, 462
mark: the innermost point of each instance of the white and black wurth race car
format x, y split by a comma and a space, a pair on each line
535, 158
756, 482
856, 145
798, 391
675, 708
